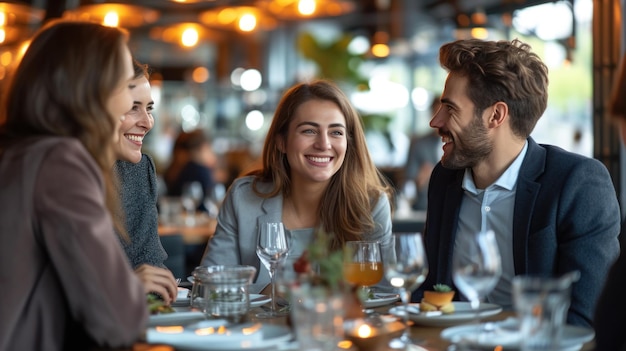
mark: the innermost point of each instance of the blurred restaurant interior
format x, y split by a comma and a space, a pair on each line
221, 65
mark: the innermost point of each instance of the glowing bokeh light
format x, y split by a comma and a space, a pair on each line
189, 37
254, 120
251, 80
247, 22
111, 19
306, 7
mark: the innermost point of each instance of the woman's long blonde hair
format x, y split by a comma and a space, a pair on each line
346, 206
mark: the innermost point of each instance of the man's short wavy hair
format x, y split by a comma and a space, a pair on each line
505, 71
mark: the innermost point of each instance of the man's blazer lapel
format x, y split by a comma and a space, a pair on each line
526, 195
449, 221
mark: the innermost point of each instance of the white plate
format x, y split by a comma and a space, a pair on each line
257, 300
506, 335
182, 299
462, 313
381, 299
182, 315
209, 335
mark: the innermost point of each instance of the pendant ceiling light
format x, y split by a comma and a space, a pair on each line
302, 9
238, 18
113, 14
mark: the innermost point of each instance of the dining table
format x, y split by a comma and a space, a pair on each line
199, 231
429, 337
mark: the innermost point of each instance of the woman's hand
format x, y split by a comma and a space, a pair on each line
158, 280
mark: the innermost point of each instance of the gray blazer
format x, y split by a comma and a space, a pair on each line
242, 212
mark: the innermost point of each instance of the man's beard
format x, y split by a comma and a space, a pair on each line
470, 147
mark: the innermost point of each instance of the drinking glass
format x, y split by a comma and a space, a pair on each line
272, 249
541, 305
362, 265
190, 197
406, 269
476, 266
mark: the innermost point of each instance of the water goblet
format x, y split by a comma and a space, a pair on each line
476, 266
272, 249
191, 196
362, 265
406, 269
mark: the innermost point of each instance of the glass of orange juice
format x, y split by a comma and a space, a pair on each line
362, 265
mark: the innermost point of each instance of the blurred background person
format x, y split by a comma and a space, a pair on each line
66, 281
138, 191
193, 162
190, 177
424, 153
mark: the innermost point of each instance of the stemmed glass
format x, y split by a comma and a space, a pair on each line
363, 265
272, 249
476, 266
406, 269
191, 196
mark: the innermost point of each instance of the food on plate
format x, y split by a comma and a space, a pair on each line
156, 305
438, 299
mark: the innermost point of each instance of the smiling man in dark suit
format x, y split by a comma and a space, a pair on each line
552, 211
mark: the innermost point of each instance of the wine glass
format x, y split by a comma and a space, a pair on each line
406, 269
190, 197
272, 249
362, 265
476, 266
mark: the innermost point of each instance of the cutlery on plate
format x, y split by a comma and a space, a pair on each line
260, 298
416, 310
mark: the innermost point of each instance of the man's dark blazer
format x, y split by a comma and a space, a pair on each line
610, 316
566, 218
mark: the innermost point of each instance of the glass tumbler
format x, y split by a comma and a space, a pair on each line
196, 297
226, 292
541, 304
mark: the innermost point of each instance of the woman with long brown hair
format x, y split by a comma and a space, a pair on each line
66, 281
316, 174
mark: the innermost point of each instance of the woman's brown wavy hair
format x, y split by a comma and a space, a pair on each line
346, 207
61, 88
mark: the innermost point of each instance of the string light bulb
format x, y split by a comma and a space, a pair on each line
247, 22
111, 19
307, 7
189, 37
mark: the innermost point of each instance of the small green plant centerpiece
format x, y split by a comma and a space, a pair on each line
438, 299
320, 271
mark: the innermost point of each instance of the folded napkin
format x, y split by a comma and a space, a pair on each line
183, 293
219, 333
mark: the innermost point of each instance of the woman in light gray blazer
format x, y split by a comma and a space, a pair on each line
316, 173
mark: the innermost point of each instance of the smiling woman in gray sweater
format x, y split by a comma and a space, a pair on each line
138, 193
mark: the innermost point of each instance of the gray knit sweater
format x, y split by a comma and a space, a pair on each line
138, 194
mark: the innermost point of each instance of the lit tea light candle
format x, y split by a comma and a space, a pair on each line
365, 331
